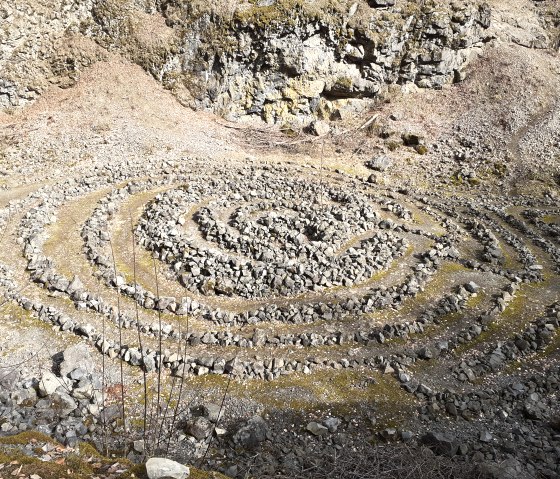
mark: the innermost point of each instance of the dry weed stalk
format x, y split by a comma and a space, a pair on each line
390, 461
140, 345
119, 324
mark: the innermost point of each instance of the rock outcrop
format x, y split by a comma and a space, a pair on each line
286, 61
40, 46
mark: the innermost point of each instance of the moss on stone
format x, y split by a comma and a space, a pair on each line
25, 438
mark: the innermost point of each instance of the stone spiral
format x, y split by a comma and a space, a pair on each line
283, 261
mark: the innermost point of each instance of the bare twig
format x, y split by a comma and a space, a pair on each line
143, 353
181, 383
103, 382
217, 421
160, 350
119, 323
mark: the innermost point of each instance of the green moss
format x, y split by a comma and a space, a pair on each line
474, 181
200, 474
553, 347
27, 437
288, 12
499, 169
343, 83
551, 219
421, 149
266, 16
510, 321
89, 450
341, 392
76, 465
438, 284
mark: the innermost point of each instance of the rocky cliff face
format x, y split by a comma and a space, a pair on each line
40, 45
287, 61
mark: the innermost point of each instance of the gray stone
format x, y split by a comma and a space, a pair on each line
442, 444
389, 434
200, 428
63, 402
379, 163
212, 412
139, 446
77, 356
381, 3
406, 435
508, 469
316, 429
8, 380
319, 128
472, 287
74, 285
77, 374
332, 423
252, 433
425, 353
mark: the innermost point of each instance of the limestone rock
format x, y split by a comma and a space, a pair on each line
319, 128
379, 163
77, 356
162, 468
48, 384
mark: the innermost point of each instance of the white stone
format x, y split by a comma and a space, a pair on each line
162, 468
48, 384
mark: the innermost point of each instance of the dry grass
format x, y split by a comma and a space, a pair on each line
381, 462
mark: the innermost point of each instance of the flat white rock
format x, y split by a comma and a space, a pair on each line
161, 468
48, 384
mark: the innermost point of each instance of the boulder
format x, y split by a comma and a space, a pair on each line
472, 287
381, 3
63, 403
332, 423
212, 412
319, 128
77, 356
8, 380
505, 470
48, 384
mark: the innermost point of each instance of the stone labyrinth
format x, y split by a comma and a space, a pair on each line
261, 271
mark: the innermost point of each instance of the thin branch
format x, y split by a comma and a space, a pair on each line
142, 352
217, 420
119, 323
181, 383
